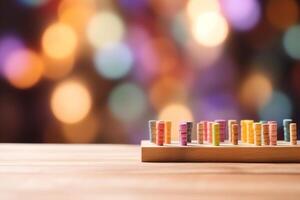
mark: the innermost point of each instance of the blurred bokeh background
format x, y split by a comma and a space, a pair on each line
95, 71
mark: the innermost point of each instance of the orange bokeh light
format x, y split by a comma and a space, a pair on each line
71, 102
282, 14
167, 8
256, 91
165, 90
176, 113
76, 13
56, 69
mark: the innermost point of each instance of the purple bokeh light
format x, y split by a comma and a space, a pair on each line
216, 106
242, 15
17, 63
8, 45
133, 6
210, 80
146, 60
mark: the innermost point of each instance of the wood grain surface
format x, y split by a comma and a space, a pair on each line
51, 171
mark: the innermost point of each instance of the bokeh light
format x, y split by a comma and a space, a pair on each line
177, 113
145, 57
291, 42
203, 57
195, 8
133, 6
34, 3
57, 69
166, 8
279, 107
107, 67
210, 29
59, 41
127, 102
114, 61
8, 45
220, 105
242, 16
256, 91
282, 14
179, 28
71, 102
166, 90
167, 54
76, 13
23, 68
105, 28
85, 131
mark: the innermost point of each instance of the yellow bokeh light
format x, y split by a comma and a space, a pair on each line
59, 41
23, 68
210, 29
70, 102
176, 113
105, 28
256, 91
195, 8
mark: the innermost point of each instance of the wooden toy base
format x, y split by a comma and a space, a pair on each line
283, 152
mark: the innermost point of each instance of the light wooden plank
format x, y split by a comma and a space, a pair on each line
282, 152
42, 171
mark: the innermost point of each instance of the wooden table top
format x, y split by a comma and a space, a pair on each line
52, 171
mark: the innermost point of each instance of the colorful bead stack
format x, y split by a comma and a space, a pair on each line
229, 123
244, 131
200, 132
183, 134
152, 131
189, 131
265, 131
235, 133
271, 122
168, 126
160, 133
293, 133
286, 129
205, 130
216, 134
257, 133
222, 129
209, 132
273, 132
250, 131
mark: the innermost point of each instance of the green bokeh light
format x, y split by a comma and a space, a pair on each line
127, 102
291, 42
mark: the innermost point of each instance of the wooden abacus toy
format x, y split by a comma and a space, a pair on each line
219, 142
